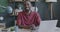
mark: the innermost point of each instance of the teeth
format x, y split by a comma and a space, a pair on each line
27, 8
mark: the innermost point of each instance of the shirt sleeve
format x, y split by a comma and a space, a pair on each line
18, 19
37, 19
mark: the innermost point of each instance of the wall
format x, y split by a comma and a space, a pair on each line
57, 11
44, 10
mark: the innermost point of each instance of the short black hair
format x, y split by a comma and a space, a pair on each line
26, 0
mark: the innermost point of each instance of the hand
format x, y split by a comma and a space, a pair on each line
33, 27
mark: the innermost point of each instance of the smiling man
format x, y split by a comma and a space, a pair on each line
28, 19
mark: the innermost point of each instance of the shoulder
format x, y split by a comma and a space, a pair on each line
20, 12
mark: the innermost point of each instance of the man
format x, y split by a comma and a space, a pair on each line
28, 19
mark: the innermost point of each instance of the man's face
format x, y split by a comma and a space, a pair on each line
27, 5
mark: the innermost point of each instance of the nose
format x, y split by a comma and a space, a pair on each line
27, 6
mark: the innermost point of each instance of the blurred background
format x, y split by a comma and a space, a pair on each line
44, 9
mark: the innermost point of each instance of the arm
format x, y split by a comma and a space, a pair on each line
37, 19
36, 22
18, 19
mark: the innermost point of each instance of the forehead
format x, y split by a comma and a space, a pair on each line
26, 2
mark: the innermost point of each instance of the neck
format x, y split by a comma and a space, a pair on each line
27, 12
